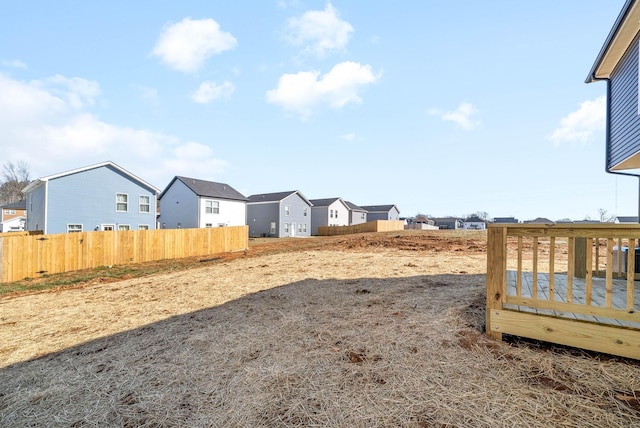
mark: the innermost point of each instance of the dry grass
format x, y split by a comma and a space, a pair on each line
364, 332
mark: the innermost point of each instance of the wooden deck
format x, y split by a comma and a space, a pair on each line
598, 299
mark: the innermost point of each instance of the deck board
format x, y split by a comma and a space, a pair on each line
598, 298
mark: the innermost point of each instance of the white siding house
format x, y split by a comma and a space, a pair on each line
193, 203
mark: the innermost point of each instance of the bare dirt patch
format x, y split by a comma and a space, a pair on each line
363, 330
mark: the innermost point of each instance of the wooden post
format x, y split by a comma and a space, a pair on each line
496, 274
580, 257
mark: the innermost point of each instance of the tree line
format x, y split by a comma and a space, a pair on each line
15, 177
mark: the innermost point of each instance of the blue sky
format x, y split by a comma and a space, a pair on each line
443, 108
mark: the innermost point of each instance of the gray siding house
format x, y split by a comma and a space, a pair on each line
357, 215
617, 64
328, 212
279, 214
97, 197
192, 203
448, 223
382, 212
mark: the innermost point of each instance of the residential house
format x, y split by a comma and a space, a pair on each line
328, 212
474, 223
448, 223
279, 214
13, 217
617, 64
103, 196
540, 220
626, 220
419, 222
193, 203
357, 215
382, 212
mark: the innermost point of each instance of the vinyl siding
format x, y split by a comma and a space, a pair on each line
89, 198
624, 126
179, 205
36, 208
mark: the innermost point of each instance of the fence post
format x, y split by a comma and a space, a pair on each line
580, 257
496, 274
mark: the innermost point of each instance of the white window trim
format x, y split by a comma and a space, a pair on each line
69, 225
121, 226
148, 204
143, 227
127, 203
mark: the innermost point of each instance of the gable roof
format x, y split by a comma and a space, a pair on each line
379, 208
20, 205
622, 33
474, 219
275, 197
42, 180
325, 202
542, 220
627, 219
354, 207
207, 189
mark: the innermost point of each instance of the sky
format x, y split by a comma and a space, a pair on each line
440, 108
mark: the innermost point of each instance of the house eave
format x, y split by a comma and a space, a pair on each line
620, 37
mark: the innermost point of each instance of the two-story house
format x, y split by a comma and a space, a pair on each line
279, 214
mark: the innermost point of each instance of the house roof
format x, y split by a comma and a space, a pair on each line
354, 207
618, 41
627, 219
325, 202
474, 219
20, 205
207, 189
540, 220
505, 220
379, 208
275, 197
446, 219
42, 180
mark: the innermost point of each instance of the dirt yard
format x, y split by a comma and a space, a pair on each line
364, 330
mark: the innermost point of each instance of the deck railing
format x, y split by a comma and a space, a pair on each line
572, 284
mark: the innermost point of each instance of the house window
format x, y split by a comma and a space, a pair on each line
9, 211
331, 213
124, 227
336, 213
212, 207
362, 216
286, 210
305, 212
144, 204
304, 227
208, 225
143, 227
74, 228
122, 202
273, 228
286, 228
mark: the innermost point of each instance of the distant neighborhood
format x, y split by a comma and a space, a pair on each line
105, 197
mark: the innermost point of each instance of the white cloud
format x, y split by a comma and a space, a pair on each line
319, 31
13, 63
52, 132
185, 46
582, 124
302, 92
210, 91
461, 116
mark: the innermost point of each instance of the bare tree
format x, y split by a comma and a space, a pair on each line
15, 177
604, 215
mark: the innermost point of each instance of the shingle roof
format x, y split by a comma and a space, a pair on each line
323, 202
378, 208
627, 219
275, 197
208, 189
354, 207
20, 205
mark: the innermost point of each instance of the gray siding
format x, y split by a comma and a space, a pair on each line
260, 216
89, 198
178, 205
36, 208
624, 126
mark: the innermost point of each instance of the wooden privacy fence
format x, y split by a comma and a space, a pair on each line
569, 284
24, 256
370, 226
